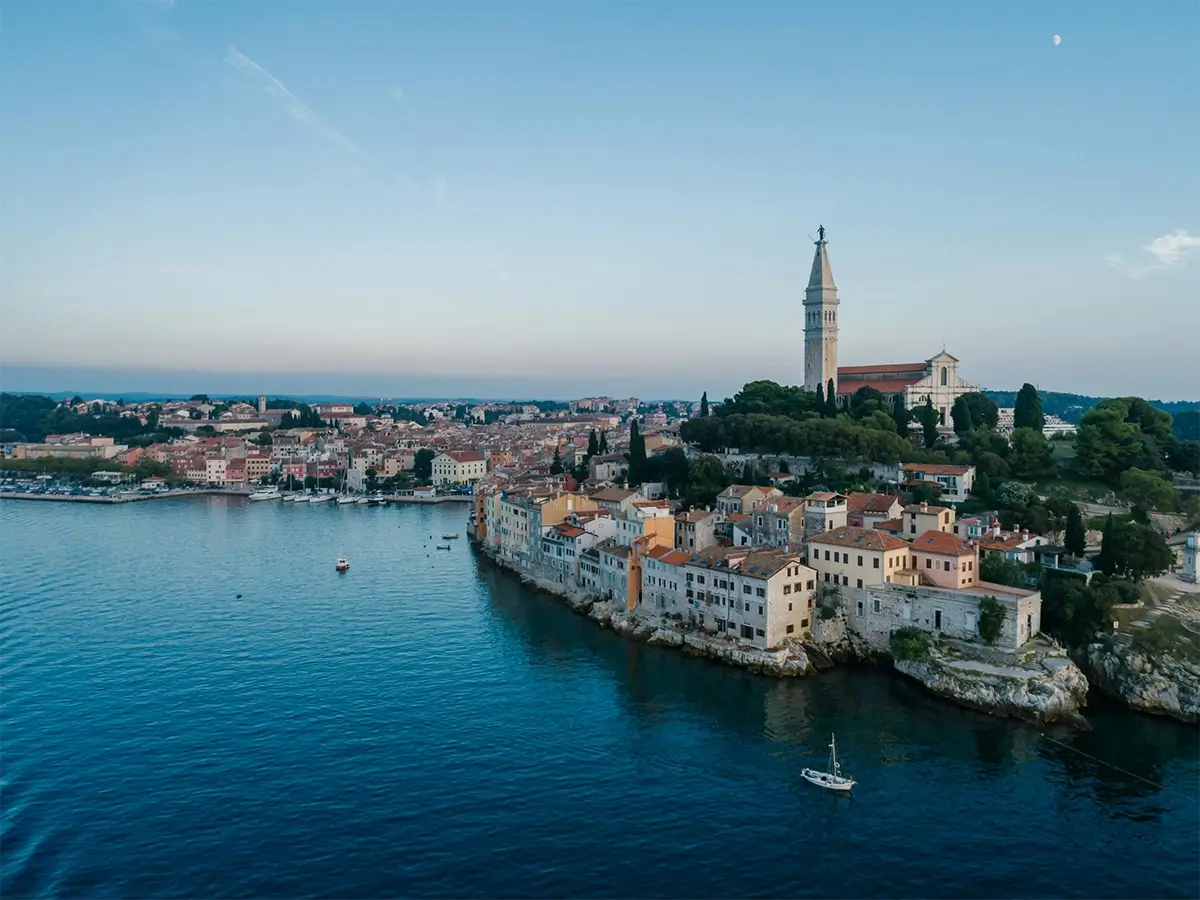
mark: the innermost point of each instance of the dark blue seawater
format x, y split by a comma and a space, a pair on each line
424, 725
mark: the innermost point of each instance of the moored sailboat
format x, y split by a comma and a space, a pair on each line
832, 780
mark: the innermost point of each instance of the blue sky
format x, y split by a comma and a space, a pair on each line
595, 198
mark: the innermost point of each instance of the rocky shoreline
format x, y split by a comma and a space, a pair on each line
1042, 687
1155, 683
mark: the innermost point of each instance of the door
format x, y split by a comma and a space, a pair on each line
937, 620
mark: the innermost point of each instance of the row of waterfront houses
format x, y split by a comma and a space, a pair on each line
759, 567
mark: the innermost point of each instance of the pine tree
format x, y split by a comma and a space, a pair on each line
820, 399
704, 404
1076, 537
1028, 410
556, 467
593, 444
831, 400
1106, 562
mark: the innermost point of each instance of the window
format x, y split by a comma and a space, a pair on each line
689, 576
928, 563
762, 592
878, 605
804, 623
747, 607
845, 580
859, 582
827, 555
760, 609
745, 588
875, 563
943, 376
691, 593
826, 577
860, 609
787, 588
946, 566
760, 632
810, 584
937, 619
700, 579
791, 628
789, 607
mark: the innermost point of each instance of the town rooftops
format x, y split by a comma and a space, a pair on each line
824, 496
744, 560
568, 530
693, 515
669, 556
935, 469
887, 369
916, 509
859, 502
464, 456
785, 505
944, 544
613, 495
864, 538
737, 490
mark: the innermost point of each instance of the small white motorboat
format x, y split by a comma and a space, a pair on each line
320, 498
269, 494
832, 780
362, 501
345, 500
343, 564
449, 537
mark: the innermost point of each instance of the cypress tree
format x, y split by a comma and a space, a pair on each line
1106, 562
929, 422
1028, 410
821, 399
556, 467
593, 444
637, 454
603, 443
704, 404
1076, 536
831, 400
982, 487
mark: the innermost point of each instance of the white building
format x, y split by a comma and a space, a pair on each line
763, 597
955, 481
458, 467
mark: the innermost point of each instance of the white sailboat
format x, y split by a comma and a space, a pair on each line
833, 779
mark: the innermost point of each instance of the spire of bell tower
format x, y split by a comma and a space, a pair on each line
820, 320
822, 274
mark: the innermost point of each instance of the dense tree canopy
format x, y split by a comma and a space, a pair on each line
1119, 434
1028, 411
840, 437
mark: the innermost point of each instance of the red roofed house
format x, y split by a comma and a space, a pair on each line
458, 467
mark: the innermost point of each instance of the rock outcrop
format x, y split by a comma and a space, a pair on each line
1052, 689
1152, 682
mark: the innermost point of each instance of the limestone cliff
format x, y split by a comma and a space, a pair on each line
1150, 681
1052, 689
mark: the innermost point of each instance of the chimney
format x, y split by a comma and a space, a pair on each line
1025, 536
995, 531
924, 506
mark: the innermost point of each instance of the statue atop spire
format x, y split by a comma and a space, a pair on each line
821, 234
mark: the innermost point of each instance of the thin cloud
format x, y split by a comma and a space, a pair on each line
295, 107
436, 192
1166, 252
398, 95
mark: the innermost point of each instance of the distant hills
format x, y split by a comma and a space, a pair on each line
1071, 407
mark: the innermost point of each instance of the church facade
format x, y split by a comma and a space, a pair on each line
936, 378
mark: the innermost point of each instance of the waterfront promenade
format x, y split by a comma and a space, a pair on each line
203, 492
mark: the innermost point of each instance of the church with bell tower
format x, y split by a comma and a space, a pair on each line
935, 381
820, 321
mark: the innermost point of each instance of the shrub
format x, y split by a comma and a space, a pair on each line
991, 619
909, 643
829, 601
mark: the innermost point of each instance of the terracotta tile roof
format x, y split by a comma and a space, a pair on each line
693, 515
736, 490
464, 456
785, 505
859, 501
569, 530
925, 510
823, 495
886, 369
745, 561
864, 538
941, 543
613, 494
884, 386
669, 556
738, 517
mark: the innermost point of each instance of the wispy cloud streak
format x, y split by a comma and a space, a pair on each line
1167, 252
295, 107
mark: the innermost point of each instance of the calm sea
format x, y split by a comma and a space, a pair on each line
194, 704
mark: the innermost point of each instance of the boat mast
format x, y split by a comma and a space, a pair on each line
833, 765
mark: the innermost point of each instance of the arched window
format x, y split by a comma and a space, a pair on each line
943, 376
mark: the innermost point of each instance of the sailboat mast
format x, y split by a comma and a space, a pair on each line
833, 766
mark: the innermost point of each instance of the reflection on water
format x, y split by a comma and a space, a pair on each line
427, 726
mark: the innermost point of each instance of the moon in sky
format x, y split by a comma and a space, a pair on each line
1057, 40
